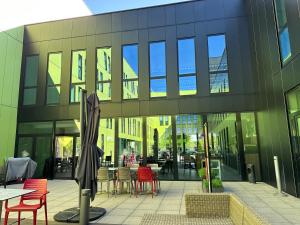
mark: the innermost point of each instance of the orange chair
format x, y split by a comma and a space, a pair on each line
145, 175
40, 185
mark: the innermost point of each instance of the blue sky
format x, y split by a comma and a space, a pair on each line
102, 6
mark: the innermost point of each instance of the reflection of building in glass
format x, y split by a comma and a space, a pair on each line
106, 137
103, 74
78, 74
130, 136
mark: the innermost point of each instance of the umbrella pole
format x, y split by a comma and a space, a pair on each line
82, 127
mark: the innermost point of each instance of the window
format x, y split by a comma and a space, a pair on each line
161, 120
103, 76
53, 78
218, 68
187, 67
130, 72
283, 31
78, 74
30, 83
158, 83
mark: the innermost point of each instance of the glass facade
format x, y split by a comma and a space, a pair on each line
103, 76
187, 67
130, 140
283, 31
130, 77
53, 78
78, 75
218, 67
30, 82
158, 83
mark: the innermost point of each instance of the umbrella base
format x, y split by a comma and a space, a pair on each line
72, 215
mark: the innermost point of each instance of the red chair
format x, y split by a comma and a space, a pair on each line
40, 185
145, 175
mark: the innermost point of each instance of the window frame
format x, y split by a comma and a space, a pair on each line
222, 71
129, 79
157, 77
189, 74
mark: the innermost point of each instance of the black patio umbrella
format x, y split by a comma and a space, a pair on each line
88, 162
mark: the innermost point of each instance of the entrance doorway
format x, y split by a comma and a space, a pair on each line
66, 154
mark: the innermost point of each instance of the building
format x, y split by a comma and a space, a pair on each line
163, 74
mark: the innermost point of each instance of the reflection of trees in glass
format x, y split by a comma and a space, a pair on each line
155, 145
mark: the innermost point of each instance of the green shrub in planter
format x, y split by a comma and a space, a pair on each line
202, 173
217, 185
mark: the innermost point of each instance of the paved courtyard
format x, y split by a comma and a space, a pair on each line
123, 209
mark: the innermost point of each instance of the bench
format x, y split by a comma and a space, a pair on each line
213, 209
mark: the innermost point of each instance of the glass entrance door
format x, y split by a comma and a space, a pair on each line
64, 157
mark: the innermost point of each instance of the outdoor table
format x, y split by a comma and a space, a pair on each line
8, 193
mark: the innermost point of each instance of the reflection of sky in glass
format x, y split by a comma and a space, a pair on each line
187, 84
285, 48
130, 54
186, 56
158, 87
157, 59
216, 45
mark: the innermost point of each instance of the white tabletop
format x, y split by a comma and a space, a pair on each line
9, 193
134, 169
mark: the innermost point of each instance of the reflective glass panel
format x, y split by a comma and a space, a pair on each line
157, 59
283, 32
130, 61
186, 56
29, 97
78, 66
158, 87
217, 53
31, 71
103, 64
130, 89
219, 82
130, 141
54, 69
187, 85
106, 140
75, 92
53, 95
35, 128
103, 90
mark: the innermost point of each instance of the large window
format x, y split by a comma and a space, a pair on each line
218, 68
158, 84
30, 83
53, 78
283, 31
130, 72
78, 74
103, 76
187, 67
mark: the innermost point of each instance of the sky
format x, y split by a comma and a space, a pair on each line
15, 13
